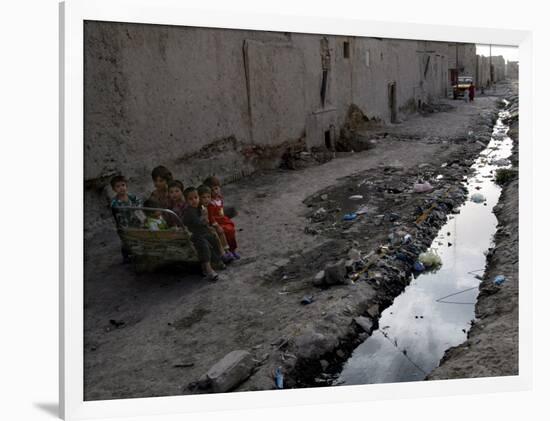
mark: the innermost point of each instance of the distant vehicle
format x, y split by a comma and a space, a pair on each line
461, 88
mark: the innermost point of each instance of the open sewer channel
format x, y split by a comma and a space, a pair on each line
435, 311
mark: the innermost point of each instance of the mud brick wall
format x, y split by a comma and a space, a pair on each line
217, 101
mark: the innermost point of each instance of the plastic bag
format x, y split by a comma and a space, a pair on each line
477, 198
422, 187
430, 258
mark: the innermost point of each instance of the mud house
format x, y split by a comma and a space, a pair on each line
512, 70
483, 71
204, 101
499, 68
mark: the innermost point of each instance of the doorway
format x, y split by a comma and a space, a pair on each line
392, 96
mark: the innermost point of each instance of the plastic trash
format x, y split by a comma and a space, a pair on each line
477, 198
418, 266
362, 210
500, 162
499, 280
407, 239
319, 215
356, 197
350, 216
430, 258
307, 299
279, 378
422, 187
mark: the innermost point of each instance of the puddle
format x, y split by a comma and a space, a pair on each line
434, 312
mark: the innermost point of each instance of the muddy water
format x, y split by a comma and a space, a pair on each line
435, 311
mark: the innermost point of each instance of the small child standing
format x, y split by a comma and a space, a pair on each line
216, 215
161, 177
206, 244
205, 196
124, 218
154, 221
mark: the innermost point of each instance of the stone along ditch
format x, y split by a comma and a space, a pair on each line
436, 309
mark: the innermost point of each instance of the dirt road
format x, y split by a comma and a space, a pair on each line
156, 334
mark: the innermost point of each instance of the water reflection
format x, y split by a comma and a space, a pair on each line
416, 330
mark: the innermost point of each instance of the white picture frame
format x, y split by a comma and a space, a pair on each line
172, 12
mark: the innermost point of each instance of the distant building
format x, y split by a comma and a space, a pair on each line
512, 70
462, 61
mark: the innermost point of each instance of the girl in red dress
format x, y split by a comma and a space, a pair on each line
217, 216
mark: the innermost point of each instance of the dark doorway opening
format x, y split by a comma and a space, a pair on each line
328, 140
392, 93
346, 49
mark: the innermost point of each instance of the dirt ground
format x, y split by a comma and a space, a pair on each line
156, 334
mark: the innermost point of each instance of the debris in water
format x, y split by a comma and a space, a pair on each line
477, 198
430, 258
278, 377
418, 266
499, 280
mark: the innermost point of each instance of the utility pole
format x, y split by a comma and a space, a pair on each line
491, 65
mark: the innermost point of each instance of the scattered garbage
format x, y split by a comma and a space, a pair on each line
278, 377
391, 216
356, 197
499, 280
477, 198
407, 239
350, 216
429, 258
422, 187
418, 266
503, 162
319, 215
307, 299
362, 210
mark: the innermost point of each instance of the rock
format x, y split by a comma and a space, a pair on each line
319, 215
310, 344
319, 278
324, 196
324, 364
336, 273
229, 372
364, 323
340, 354
373, 311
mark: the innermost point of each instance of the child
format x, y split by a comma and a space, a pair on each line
205, 196
175, 192
206, 244
216, 215
123, 217
161, 177
155, 221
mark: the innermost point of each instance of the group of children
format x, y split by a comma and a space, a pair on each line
200, 209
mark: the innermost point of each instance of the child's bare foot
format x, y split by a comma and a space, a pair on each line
212, 277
